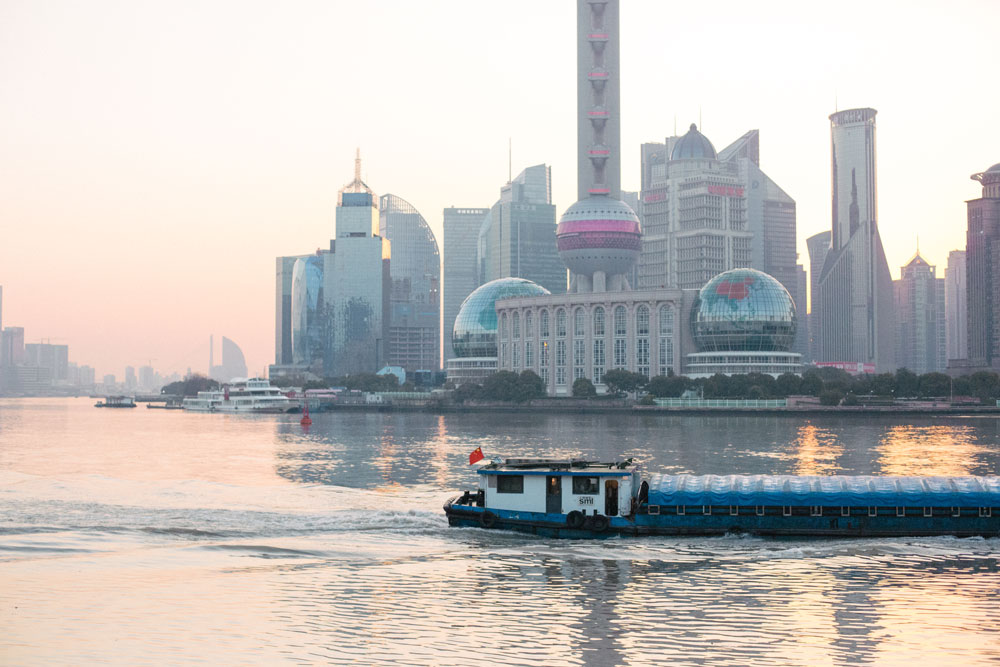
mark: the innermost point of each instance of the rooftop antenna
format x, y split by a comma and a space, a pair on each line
357, 165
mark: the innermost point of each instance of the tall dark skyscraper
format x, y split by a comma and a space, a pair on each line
855, 295
983, 271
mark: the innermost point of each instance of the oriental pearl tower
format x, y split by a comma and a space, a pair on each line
599, 237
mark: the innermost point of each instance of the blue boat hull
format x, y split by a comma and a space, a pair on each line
720, 521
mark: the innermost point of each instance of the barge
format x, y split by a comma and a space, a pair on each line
582, 499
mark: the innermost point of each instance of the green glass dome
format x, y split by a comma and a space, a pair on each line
475, 332
743, 310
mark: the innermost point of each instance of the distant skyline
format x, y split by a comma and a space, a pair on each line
156, 157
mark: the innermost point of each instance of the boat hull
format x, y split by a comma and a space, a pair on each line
858, 524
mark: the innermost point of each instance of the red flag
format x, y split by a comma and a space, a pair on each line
476, 455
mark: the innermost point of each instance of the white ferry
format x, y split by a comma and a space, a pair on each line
255, 395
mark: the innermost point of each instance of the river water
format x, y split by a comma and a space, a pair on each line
150, 537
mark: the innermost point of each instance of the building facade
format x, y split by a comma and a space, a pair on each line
855, 293
955, 306
818, 246
414, 336
982, 247
284, 281
920, 312
12, 346
460, 275
518, 237
694, 214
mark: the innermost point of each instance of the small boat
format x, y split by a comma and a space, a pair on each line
116, 402
579, 499
252, 396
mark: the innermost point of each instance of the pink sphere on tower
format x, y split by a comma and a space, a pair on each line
598, 238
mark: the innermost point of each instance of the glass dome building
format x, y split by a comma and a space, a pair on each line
743, 321
475, 331
474, 336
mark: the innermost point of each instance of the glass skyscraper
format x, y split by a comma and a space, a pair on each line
855, 293
920, 337
461, 274
414, 339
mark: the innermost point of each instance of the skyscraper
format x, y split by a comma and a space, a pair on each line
518, 237
695, 213
309, 325
461, 274
818, 246
233, 366
12, 346
855, 294
414, 340
955, 306
284, 274
982, 247
920, 336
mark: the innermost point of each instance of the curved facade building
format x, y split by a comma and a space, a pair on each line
308, 323
743, 321
415, 270
474, 337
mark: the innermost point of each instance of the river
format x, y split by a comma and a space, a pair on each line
151, 536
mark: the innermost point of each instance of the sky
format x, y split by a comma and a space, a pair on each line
155, 157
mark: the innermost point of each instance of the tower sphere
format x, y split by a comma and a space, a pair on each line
743, 310
599, 233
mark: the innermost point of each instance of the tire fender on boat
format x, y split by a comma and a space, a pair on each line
574, 519
487, 519
599, 523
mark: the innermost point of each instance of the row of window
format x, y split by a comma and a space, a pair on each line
582, 486
580, 361
620, 322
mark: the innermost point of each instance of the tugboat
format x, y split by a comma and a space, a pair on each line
581, 499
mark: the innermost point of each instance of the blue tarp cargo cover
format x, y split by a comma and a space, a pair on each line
845, 491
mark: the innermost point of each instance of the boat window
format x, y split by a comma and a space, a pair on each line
586, 486
510, 484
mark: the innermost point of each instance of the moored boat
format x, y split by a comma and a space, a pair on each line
116, 402
576, 499
252, 396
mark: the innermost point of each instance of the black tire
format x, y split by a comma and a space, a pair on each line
574, 519
487, 519
599, 523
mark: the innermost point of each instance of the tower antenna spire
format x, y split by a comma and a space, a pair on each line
357, 165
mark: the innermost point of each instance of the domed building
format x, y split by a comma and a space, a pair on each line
693, 145
743, 321
474, 336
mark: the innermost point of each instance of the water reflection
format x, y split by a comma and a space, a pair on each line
817, 451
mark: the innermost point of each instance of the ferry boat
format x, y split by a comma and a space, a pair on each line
116, 402
254, 395
579, 499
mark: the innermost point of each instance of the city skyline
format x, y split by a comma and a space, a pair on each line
147, 201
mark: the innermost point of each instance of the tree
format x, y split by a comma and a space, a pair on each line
883, 384
934, 385
621, 380
830, 397
907, 383
812, 383
529, 386
985, 385
467, 392
501, 386
584, 388
190, 386
788, 384
668, 386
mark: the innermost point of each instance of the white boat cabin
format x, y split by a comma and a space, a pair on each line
560, 486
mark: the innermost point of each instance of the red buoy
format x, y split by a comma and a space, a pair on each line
306, 421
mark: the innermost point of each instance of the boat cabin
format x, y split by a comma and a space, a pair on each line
554, 486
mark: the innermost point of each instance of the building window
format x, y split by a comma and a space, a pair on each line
503, 355
543, 348
560, 362
641, 321
510, 483
598, 374
529, 353
545, 324
586, 486
598, 322
560, 375
515, 322
579, 352
599, 352
517, 356
620, 353
666, 355
578, 373
579, 326
503, 327
666, 321
528, 321
620, 323
561, 323
641, 356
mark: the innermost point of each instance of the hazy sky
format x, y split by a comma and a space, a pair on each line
155, 157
